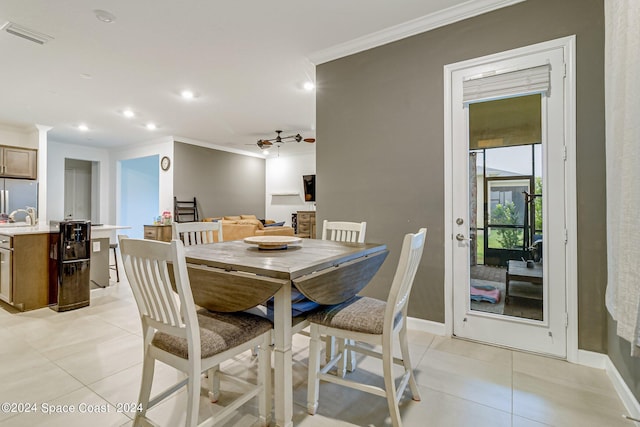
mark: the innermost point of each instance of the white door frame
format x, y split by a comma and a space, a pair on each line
568, 44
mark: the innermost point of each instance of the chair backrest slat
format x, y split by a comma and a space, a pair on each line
146, 265
342, 231
412, 249
197, 233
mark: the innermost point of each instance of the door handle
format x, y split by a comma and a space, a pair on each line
460, 237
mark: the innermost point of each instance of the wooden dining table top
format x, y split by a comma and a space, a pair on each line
297, 260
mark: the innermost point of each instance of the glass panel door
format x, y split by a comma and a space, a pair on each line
504, 154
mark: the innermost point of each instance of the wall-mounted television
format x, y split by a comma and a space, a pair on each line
309, 184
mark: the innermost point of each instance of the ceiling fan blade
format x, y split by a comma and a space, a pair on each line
267, 143
309, 140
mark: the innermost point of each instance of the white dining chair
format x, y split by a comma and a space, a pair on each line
189, 340
374, 322
197, 233
342, 231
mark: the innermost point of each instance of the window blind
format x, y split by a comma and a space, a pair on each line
512, 83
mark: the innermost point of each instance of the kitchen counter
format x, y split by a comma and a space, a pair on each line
97, 231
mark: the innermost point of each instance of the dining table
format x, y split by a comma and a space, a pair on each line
235, 276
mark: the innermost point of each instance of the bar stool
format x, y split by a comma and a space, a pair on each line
114, 266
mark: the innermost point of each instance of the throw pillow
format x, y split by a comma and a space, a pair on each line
248, 217
233, 217
275, 224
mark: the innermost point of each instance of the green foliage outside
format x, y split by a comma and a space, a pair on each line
537, 204
507, 214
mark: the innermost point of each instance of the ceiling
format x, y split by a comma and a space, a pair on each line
246, 62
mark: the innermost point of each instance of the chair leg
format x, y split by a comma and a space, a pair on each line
313, 383
264, 380
390, 385
214, 383
341, 367
148, 367
351, 358
406, 360
193, 394
330, 348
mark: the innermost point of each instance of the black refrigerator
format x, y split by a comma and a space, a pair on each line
70, 254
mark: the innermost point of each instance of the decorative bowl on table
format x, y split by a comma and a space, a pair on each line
272, 242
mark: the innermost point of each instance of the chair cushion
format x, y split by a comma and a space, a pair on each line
218, 332
248, 217
359, 314
233, 217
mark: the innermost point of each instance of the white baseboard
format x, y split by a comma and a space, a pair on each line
430, 326
592, 359
602, 361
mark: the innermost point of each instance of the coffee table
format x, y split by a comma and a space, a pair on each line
517, 270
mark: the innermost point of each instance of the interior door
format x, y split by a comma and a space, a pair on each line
508, 202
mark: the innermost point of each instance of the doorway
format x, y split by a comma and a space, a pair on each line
81, 189
510, 196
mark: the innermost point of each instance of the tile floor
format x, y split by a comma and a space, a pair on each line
90, 360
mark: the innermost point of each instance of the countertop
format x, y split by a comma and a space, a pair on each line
45, 228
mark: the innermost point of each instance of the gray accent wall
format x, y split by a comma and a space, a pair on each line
380, 150
223, 183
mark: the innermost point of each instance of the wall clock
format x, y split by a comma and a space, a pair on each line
165, 163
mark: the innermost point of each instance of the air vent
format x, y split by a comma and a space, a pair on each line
25, 33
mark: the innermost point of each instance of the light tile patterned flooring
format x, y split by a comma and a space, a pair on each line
91, 359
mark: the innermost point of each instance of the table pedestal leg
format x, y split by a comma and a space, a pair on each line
283, 381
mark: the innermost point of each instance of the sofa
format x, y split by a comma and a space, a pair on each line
237, 227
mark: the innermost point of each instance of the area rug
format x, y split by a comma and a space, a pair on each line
487, 307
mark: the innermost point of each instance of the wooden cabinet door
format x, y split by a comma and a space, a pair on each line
19, 163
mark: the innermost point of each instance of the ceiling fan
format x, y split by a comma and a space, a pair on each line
279, 139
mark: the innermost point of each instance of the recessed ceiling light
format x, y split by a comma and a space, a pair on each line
309, 86
128, 113
151, 126
104, 16
187, 94
83, 127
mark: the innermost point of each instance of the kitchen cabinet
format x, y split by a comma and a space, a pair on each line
158, 232
16, 162
307, 224
24, 270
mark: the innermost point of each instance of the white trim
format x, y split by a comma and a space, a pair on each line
568, 44
571, 199
435, 328
217, 147
624, 392
592, 359
425, 23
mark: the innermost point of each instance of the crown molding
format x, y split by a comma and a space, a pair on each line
425, 23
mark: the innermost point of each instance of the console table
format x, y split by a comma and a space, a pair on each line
158, 232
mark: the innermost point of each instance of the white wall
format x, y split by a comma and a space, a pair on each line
18, 137
57, 152
284, 176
